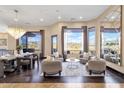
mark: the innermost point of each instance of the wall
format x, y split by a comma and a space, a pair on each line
4, 36
11, 42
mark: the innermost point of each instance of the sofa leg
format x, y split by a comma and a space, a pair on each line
59, 73
44, 74
90, 72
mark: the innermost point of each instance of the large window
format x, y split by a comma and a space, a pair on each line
31, 40
23, 41
34, 41
73, 40
91, 38
111, 45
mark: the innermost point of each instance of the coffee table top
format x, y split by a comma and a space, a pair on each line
72, 60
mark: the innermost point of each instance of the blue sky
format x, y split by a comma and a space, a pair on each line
75, 37
36, 38
92, 37
54, 39
111, 36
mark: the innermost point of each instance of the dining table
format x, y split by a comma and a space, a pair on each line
17, 57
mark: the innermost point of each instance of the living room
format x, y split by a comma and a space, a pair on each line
58, 46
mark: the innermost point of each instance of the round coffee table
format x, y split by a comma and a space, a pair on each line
72, 63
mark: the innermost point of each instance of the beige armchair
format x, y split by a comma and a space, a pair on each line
51, 67
85, 58
96, 66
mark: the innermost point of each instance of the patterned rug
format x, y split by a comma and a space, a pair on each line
75, 69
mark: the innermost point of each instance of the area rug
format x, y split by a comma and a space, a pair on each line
76, 69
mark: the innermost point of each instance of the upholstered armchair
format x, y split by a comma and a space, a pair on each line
51, 67
96, 66
57, 56
84, 58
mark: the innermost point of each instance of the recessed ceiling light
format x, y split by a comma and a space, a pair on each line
59, 17
81, 17
41, 19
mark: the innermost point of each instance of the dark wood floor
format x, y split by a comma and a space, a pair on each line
33, 76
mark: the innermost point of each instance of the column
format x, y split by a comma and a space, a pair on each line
98, 39
85, 38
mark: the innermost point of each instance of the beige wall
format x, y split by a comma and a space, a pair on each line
11, 42
4, 36
47, 42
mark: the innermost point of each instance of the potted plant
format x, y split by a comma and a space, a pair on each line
18, 48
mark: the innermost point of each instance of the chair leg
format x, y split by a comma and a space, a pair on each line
90, 72
59, 73
44, 74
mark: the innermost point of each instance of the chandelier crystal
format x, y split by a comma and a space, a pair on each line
16, 32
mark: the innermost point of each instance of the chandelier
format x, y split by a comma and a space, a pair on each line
16, 32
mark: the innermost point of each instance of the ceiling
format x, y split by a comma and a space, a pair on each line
30, 15
113, 16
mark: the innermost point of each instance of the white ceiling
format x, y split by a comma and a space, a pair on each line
114, 15
29, 16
